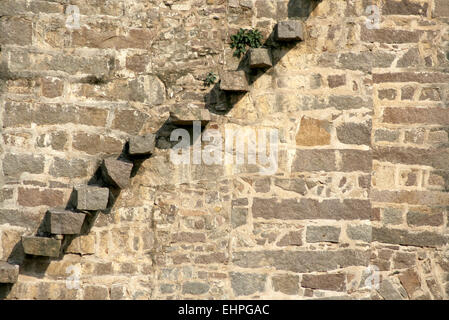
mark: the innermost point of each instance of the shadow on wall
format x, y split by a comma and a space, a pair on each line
220, 102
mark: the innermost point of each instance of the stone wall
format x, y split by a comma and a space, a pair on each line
361, 190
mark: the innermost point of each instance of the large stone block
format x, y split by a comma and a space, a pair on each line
441, 8
142, 145
260, 58
8, 272
294, 209
65, 222
186, 115
290, 30
322, 234
82, 245
91, 197
34, 197
244, 284
16, 164
117, 172
407, 238
302, 261
40, 246
234, 81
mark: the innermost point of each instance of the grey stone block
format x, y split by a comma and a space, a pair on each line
142, 145
8, 272
260, 58
290, 30
186, 115
234, 81
91, 198
40, 246
65, 222
116, 172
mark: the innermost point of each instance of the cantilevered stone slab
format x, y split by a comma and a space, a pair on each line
234, 81
116, 172
91, 197
259, 58
8, 272
40, 246
64, 221
185, 115
142, 145
290, 30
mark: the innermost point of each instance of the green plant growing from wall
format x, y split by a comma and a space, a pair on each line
245, 38
210, 79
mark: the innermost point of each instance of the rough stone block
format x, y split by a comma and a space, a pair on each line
142, 145
234, 81
40, 246
82, 245
195, 288
349, 209
285, 283
16, 164
117, 172
260, 58
334, 282
8, 272
302, 261
187, 115
34, 197
91, 198
290, 30
322, 234
244, 284
65, 222
441, 8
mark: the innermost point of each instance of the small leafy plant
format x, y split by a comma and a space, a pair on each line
210, 79
245, 38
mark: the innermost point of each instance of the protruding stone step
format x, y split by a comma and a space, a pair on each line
8, 272
234, 81
142, 145
64, 222
186, 115
40, 246
116, 172
91, 197
260, 58
290, 30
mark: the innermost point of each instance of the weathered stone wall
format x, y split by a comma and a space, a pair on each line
363, 175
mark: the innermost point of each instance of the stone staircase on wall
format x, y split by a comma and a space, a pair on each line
116, 171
